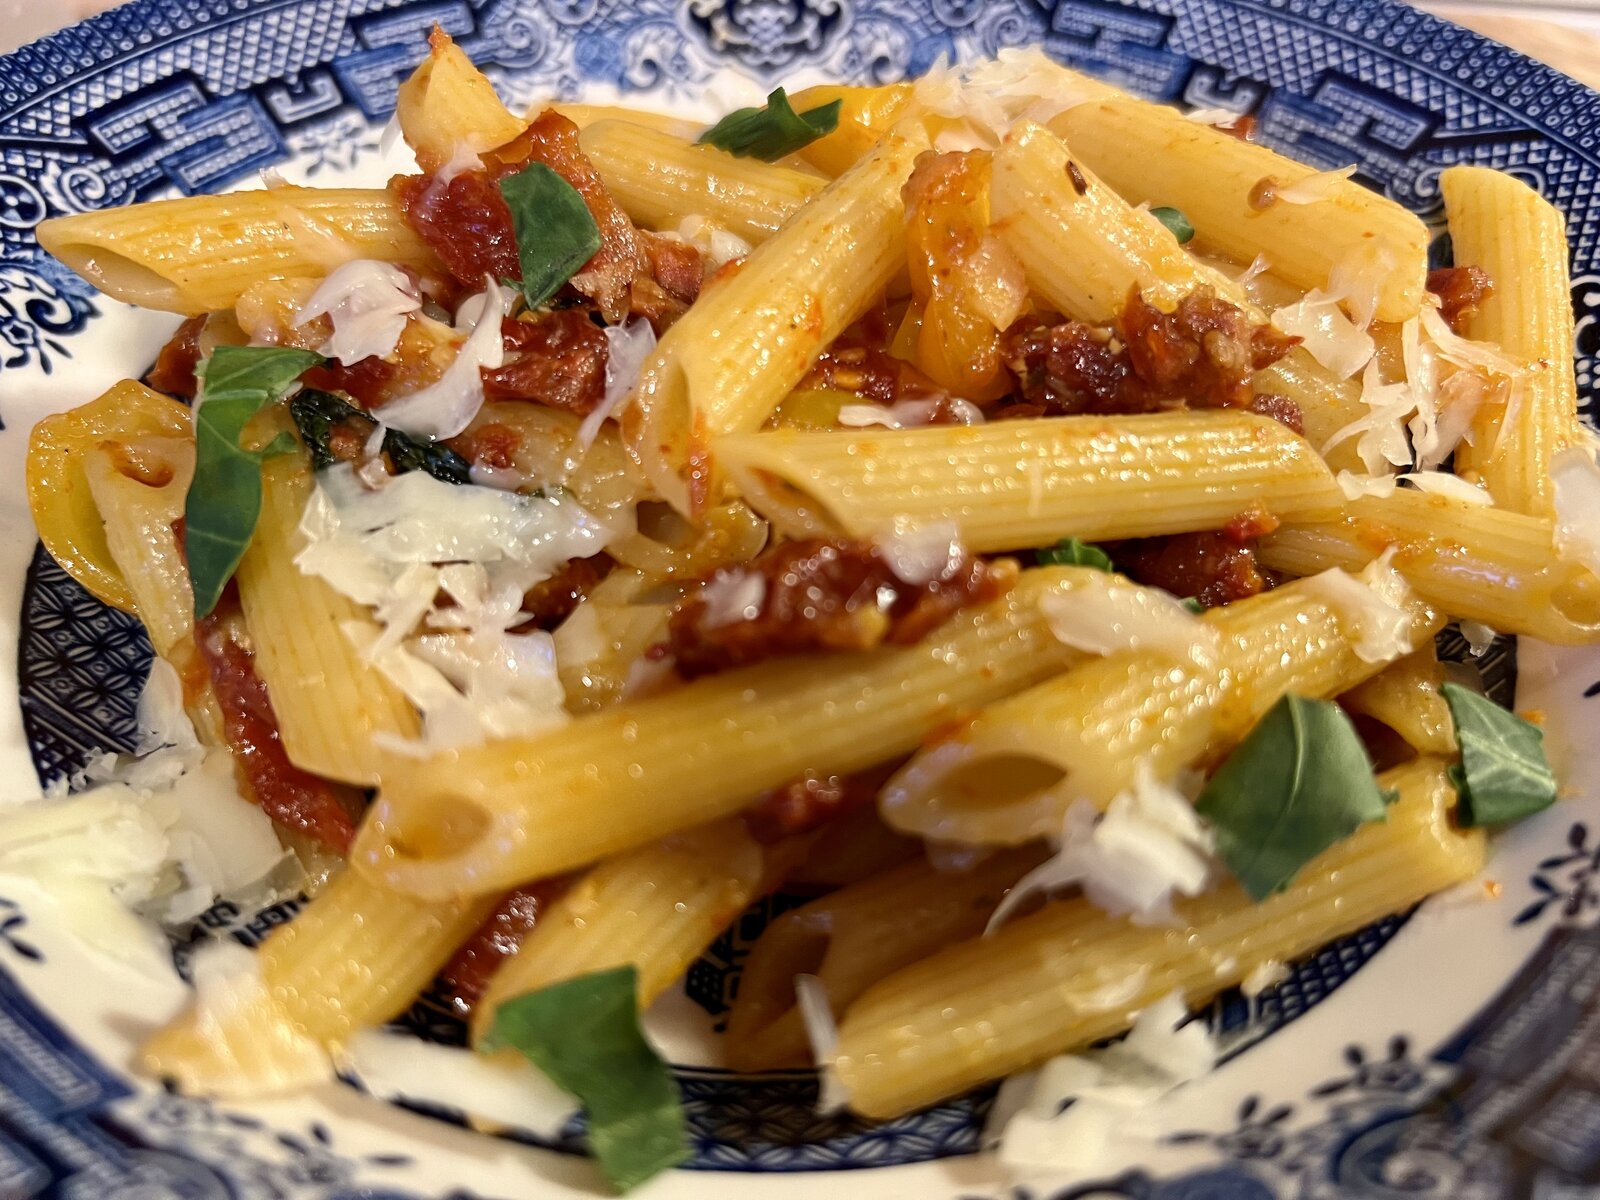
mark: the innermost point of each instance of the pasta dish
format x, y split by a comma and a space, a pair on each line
1012, 514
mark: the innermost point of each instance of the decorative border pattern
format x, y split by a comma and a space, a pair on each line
186, 95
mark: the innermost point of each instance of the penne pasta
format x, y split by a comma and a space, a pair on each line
661, 179
355, 956
1011, 773
1219, 182
449, 108
475, 821
751, 337
330, 704
1470, 561
1502, 225
1405, 696
1326, 404
851, 939
1030, 482
199, 253
1084, 247
1069, 975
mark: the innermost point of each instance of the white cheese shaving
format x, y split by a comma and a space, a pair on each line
497, 1092
1315, 188
1358, 280
1356, 486
1258, 266
445, 569
446, 407
392, 133
1149, 844
462, 159
1070, 1113
1121, 617
989, 97
628, 348
994, 281
252, 1047
1576, 478
1371, 608
1439, 483
717, 245
369, 303
1327, 334
1212, 116
731, 597
811, 998
908, 414
1478, 636
919, 554
1380, 432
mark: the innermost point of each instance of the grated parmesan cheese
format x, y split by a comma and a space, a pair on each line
1576, 478
1126, 617
1380, 433
717, 245
919, 554
368, 303
628, 348
1371, 608
1314, 189
1327, 334
816, 1013
908, 414
446, 407
1440, 483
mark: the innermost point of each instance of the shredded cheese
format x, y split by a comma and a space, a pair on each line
1125, 617
446, 407
368, 303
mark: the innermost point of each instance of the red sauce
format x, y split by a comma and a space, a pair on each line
174, 369
556, 358
293, 798
466, 976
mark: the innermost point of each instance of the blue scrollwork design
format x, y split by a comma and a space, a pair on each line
1567, 884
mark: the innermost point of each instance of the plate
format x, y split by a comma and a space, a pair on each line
1453, 1052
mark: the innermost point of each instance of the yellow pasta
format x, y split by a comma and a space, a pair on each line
660, 179
1499, 223
750, 338
355, 956
1216, 180
1084, 247
853, 938
1031, 482
514, 810
329, 703
1326, 404
1069, 975
199, 253
1472, 562
1405, 696
1010, 774
448, 107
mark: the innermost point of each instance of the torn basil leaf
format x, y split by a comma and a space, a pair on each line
771, 132
224, 500
1503, 774
556, 233
1299, 783
584, 1034
1070, 552
318, 415
1176, 222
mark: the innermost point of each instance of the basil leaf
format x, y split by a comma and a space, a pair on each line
318, 414
556, 233
1192, 603
1503, 774
1299, 783
771, 132
224, 500
1070, 552
1175, 221
584, 1034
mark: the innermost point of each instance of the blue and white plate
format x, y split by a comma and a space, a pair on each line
1454, 1052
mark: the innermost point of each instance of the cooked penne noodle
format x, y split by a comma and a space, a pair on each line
660, 179
751, 337
199, 253
657, 907
853, 938
330, 704
1326, 404
1030, 482
1085, 248
1011, 773
1499, 223
448, 107
1069, 975
1217, 181
473, 821
546, 453
1471, 561
585, 115
355, 956
852, 848
865, 115
1405, 696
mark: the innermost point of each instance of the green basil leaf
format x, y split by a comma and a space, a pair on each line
1299, 783
770, 133
584, 1034
556, 233
1175, 221
1503, 774
1070, 552
1192, 603
318, 414
224, 500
